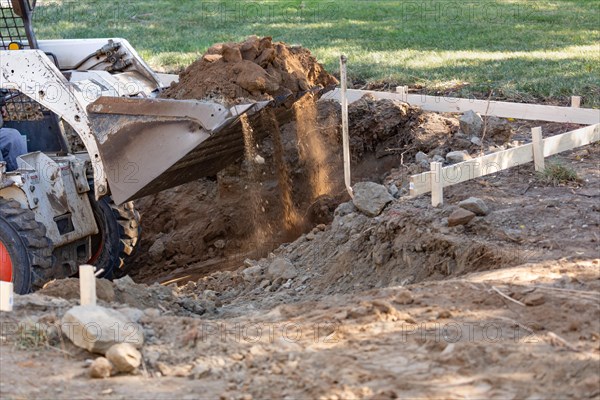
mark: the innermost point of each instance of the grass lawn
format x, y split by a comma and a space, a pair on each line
523, 50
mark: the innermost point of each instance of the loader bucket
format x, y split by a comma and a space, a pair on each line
149, 145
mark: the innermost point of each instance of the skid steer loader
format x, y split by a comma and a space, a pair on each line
97, 138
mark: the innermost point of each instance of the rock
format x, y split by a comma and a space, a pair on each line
457, 156
382, 253
471, 123
534, 299
476, 141
220, 244
100, 368
252, 274
344, 209
211, 57
181, 371
404, 297
420, 157
124, 357
152, 312
460, 217
371, 198
200, 371
499, 130
438, 158
393, 189
96, 328
282, 268
231, 54
132, 314
156, 251
475, 205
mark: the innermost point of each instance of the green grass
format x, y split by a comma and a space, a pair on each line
556, 174
523, 50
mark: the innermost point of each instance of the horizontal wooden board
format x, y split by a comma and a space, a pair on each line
535, 112
495, 162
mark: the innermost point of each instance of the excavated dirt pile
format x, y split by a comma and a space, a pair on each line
256, 69
291, 183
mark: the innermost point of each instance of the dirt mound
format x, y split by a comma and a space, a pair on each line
393, 127
256, 69
288, 183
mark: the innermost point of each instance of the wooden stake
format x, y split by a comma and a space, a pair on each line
6, 296
538, 149
437, 184
345, 129
575, 101
87, 285
403, 91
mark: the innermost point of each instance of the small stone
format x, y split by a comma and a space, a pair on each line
210, 58
282, 268
476, 141
211, 295
475, 205
534, 299
124, 357
220, 244
471, 123
310, 236
404, 297
445, 314
252, 274
460, 217
457, 156
393, 189
181, 371
152, 312
260, 160
156, 251
371, 198
438, 158
421, 157
100, 368
200, 371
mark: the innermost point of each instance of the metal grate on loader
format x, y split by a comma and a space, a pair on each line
13, 30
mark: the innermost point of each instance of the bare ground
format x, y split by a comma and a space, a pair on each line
397, 306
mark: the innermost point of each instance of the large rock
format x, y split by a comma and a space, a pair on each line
421, 157
460, 216
97, 329
475, 205
471, 123
282, 268
499, 130
457, 156
371, 198
124, 357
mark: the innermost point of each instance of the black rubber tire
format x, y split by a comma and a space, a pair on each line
119, 232
28, 246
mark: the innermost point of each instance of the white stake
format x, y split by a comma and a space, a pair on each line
538, 149
87, 285
6, 296
437, 184
575, 101
403, 91
345, 129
